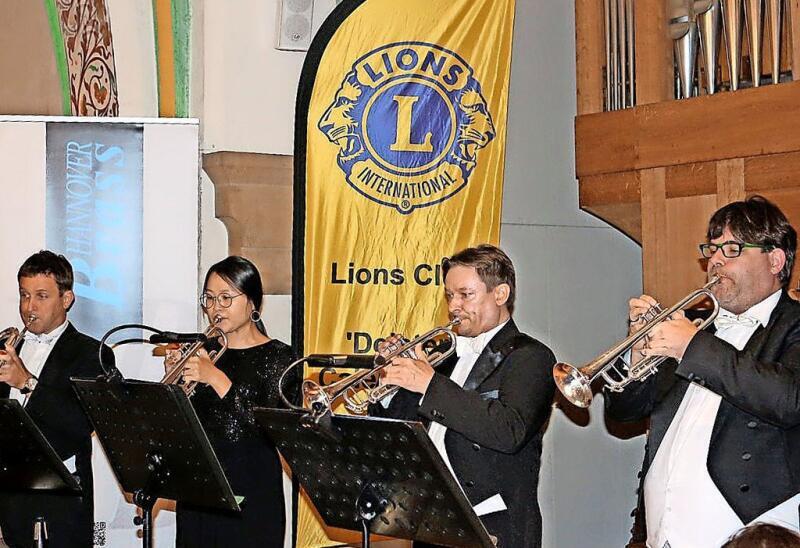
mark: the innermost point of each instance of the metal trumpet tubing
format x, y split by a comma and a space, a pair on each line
12, 336
576, 383
177, 361
363, 388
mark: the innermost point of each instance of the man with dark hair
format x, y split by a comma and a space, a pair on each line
487, 408
724, 443
38, 377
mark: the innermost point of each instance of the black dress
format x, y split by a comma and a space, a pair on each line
249, 460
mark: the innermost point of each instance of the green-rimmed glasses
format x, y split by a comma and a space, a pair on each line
730, 249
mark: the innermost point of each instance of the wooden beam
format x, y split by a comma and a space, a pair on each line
616, 199
772, 172
589, 55
627, 218
610, 188
691, 180
730, 181
749, 122
654, 73
654, 234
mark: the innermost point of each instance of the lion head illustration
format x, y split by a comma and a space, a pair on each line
338, 124
475, 126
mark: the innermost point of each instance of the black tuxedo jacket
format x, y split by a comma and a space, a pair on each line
55, 409
754, 453
494, 426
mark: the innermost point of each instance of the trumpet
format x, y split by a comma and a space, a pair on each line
13, 336
575, 383
363, 388
176, 361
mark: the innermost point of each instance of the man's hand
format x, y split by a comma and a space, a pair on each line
412, 374
12, 370
390, 344
637, 308
671, 337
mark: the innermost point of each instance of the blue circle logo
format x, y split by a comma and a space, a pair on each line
409, 120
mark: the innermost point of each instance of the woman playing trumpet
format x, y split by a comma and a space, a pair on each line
244, 377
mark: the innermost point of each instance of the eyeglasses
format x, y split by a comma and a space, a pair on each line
730, 249
224, 300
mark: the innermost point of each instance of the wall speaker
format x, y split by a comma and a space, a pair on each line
295, 24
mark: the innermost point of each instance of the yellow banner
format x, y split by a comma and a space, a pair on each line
400, 151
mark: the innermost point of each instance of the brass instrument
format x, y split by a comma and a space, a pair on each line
13, 336
176, 361
575, 383
363, 388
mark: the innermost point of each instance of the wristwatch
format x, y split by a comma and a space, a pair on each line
29, 386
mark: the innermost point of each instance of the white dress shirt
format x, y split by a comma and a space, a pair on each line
34, 354
683, 505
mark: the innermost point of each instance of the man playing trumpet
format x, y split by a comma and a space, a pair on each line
724, 442
39, 378
486, 409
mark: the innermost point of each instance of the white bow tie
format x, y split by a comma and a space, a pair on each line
44, 338
468, 345
726, 319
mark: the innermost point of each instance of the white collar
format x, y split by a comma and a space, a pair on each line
47, 338
760, 311
475, 345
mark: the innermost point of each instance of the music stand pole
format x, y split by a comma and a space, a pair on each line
145, 500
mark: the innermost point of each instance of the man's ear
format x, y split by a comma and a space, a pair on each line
67, 298
501, 294
777, 260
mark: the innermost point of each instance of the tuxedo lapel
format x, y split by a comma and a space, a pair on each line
447, 366
61, 348
755, 347
491, 356
60, 353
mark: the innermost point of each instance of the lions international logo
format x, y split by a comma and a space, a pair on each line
409, 120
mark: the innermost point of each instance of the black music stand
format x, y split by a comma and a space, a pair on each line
376, 475
155, 445
27, 461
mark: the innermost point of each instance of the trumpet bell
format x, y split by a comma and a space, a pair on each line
10, 336
575, 386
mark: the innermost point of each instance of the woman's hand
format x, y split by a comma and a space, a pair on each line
200, 368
